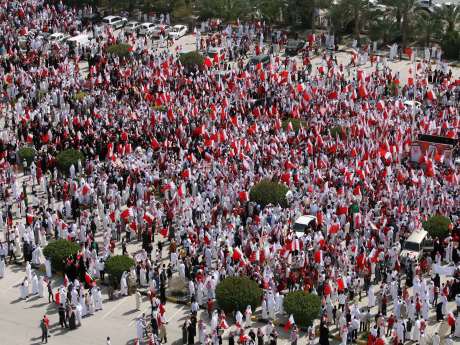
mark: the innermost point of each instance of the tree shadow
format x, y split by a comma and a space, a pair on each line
132, 311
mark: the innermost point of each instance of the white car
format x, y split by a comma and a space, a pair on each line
57, 37
177, 31
160, 29
115, 22
132, 27
145, 29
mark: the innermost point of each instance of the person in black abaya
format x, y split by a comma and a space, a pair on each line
323, 333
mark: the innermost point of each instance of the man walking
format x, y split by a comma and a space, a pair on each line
62, 319
44, 325
50, 291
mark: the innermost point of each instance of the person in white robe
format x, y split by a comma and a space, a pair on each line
201, 332
138, 299
2, 267
41, 287
82, 303
124, 285
24, 289
49, 273
29, 271
91, 304
457, 327
416, 331
140, 326
37, 256
239, 320
78, 314
34, 284
98, 302
370, 297
143, 276
264, 309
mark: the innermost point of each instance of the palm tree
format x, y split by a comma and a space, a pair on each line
313, 6
427, 27
404, 12
450, 15
351, 11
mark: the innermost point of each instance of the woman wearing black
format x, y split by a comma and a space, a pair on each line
323, 333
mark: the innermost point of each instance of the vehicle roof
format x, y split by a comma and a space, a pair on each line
417, 236
146, 23
110, 17
178, 26
260, 58
132, 22
305, 220
79, 37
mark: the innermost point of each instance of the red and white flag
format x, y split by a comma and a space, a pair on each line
148, 217
289, 323
127, 213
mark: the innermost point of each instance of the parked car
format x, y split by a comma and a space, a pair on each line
159, 30
132, 26
263, 59
115, 22
145, 29
293, 47
215, 50
177, 31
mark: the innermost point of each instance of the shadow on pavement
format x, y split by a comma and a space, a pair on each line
39, 305
132, 311
16, 300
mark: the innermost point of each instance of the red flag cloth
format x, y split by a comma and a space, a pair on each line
88, 279
289, 323
244, 196
155, 144
164, 232
126, 213
148, 218
186, 174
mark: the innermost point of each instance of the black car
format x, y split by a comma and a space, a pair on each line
293, 47
263, 59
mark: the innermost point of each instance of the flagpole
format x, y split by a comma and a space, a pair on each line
414, 75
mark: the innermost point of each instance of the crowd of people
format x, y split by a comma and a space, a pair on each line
170, 155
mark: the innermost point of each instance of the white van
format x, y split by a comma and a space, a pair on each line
115, 22
303, 223
415, 245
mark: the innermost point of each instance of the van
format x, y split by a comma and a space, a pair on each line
416, 245
304, 223
116, 22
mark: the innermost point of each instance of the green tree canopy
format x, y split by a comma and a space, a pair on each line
236, 293
303, 306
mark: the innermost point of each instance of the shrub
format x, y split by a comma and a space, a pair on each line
115, 266
58, 251
68, 157
191, 59
80, 95
269, 192
296, 123
236, 293
28, 154
437, 226
120, 50
450, 44
337, 131
305, 307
